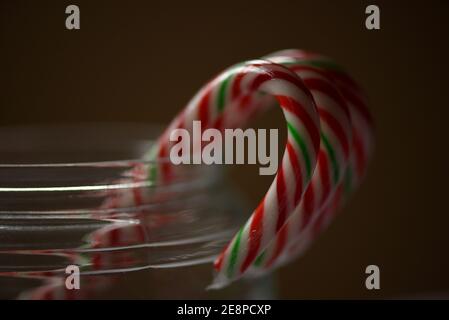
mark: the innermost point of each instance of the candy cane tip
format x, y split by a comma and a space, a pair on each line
220, 281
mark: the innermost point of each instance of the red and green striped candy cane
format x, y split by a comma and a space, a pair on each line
231, 99
216, 106
296, 236
335, 149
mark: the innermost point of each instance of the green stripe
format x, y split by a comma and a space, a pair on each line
152, 167
222, 94
303, 147
331, 152
259, 259
152, 173
234, 254
221, 97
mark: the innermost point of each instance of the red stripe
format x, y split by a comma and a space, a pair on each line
218, 124
204, 109
162, 151
323, 167
282, 198
295, 108
245, 102
328, 89
255, 236
343, 78
298, 177
281, 240
300, 68
46, 274
309, 205
218, 263
236, 85
165, 166
261, 78
330, 210
336, 127
137, 196
274, 74
97, 261
114, 237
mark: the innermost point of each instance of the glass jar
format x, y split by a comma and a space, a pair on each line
79, 195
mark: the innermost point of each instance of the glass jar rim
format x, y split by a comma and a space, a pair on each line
121, 146
9, 133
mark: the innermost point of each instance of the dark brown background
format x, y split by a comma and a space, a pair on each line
141, 61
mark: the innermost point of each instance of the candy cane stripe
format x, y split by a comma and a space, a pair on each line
255, 236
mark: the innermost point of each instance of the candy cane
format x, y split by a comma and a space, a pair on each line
295, 236
231, 99
216, 106
332, 159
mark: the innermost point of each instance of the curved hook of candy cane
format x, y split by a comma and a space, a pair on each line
216, 106
363, 128
291, 242
335, 148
